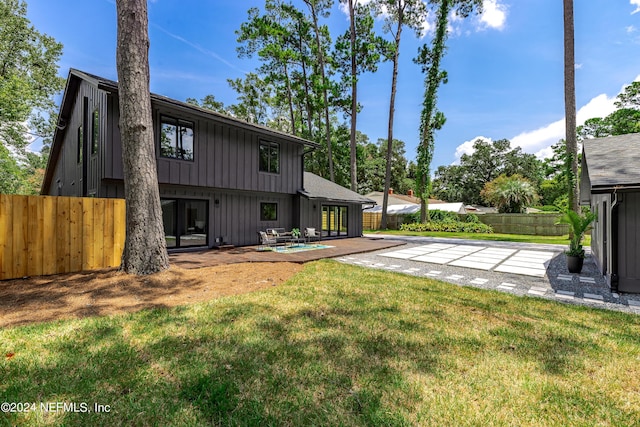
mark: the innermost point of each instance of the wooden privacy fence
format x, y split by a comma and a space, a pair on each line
42, 235
372, 220
532, 224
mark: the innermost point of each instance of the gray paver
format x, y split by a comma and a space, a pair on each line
521, 270
593, 298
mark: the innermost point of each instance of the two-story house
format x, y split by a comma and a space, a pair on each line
220, 179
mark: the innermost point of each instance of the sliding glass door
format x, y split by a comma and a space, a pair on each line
186, 222
334, 221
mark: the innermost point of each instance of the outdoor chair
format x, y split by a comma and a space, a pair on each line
267, 240
310, 233
279, 234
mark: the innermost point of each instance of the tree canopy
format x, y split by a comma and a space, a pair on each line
28, 73
28, 82
464, 182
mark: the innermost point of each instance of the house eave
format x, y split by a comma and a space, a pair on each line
614, 188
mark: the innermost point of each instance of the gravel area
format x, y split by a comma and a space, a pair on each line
588, 288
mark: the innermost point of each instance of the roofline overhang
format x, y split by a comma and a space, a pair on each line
113, 87
614, 188
326, 199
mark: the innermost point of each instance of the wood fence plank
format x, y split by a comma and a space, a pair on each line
20, 232
62, 235
88, 260
75, 234
119, 228
6, 237
98, 225
49, 233
35, 237
107, 234
42, 235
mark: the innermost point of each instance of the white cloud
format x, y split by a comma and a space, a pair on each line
494, 15
630, 29
539, 140
637, 4
578, 66
467, 147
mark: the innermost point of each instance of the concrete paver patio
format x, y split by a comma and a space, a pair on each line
527, 262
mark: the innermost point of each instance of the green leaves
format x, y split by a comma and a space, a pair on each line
28, 72
510, 194
578, 225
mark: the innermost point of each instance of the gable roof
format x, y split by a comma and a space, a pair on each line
76, 77
398, 199
612, 162
411, 208
316, 187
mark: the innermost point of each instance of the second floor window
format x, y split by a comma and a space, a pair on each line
176, 138
95, 134
269, 157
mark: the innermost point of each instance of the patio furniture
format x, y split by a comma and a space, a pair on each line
310, 233
280, 235
267, 240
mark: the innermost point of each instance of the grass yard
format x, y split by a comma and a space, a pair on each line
525, 238
335, 345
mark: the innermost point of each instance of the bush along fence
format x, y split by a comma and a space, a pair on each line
42, 235
532, 224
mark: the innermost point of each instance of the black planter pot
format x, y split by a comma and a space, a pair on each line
574, 263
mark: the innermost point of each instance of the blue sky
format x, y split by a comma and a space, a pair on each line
505, 67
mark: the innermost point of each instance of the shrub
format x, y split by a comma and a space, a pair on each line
448, 226
510, 194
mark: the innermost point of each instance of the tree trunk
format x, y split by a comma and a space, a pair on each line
325, 96
392, 109
145, 249
570, 104
290, 100
433, 81
306, 85
354, 98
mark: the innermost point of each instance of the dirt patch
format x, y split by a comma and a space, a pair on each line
107, 292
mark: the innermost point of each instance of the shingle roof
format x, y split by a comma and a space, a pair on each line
613, 161
398, 199
316, 187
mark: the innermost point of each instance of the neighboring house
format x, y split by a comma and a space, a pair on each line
221, 179
610, 185
408, 209
400, 204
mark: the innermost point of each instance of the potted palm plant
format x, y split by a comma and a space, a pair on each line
578, 225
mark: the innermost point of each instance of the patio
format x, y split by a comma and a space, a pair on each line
339, 247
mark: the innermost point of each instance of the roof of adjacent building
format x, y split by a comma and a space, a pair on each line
411, 208
398, 199
613, 161
316, 187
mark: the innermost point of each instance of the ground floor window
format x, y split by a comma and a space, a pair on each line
185, 222
268, 211
334, 221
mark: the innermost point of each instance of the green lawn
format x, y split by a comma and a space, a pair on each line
555, 240
336, 345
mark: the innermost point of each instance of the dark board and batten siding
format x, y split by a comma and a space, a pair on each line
628, 238
68, 172
225, 157
236, 216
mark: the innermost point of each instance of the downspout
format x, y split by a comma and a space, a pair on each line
613, 241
